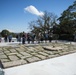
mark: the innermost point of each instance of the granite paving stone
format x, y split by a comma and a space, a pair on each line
6, 52
52, 56
41, 56
49, 52
13, 57
5, 60
13, 50
11, 53
0, 49
22, 48
14, 63
34, 53
1, 52
43, 53
28, 53
26, 56
4, 48
32, 59
30, 49
18, 49
2, 56
19, 55
24, 53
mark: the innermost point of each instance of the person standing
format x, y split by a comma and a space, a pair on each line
5, 38
0, 38
46, 37
23, 38
50, 36
18, 37
33, 38
28, 38
10, 38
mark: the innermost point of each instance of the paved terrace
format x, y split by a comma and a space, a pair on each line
23, 54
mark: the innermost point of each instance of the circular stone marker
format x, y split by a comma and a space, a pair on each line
52, 48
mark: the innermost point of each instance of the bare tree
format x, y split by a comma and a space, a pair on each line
43, 24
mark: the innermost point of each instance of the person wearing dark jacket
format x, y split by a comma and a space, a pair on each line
28, 38
10, 38
5, 38
23, 38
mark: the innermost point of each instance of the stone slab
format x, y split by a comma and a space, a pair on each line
51, 48
33, 59
14, 63
13, 57
3, 56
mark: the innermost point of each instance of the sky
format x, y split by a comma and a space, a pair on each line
15, 15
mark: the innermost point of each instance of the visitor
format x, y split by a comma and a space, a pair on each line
23, 38
50, 36
0, 38
5, 38
42, 38
28, 38
46, 37
10, 38
33, 37
18, 37
39, 37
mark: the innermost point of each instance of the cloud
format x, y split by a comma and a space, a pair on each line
33, 10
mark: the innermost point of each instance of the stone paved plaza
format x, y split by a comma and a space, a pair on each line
23, 54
